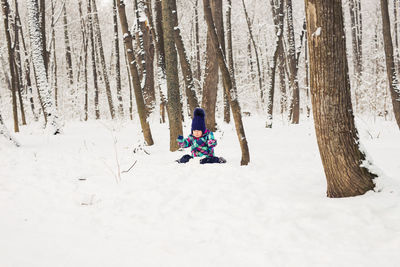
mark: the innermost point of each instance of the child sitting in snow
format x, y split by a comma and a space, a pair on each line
201, 141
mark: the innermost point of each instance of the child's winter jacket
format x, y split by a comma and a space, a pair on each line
202, 146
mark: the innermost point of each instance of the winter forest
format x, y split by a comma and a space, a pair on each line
99, 105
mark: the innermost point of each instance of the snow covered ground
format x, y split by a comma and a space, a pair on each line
63, 202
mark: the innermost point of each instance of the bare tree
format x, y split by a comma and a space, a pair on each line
294, 108
117, 60
99, 42
171, 64
331, 101
185, 65
141, 108
277, 12
6, 13
38, 60
261, 88
228, 86
210, 84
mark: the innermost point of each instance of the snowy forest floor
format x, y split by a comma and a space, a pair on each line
63, 203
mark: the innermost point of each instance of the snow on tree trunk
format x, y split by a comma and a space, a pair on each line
52, 121
4, 132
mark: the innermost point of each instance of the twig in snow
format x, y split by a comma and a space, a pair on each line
130, 167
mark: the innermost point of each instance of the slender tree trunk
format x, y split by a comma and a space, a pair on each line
93, 57
230, 90
85, 42
294, 109
53, 42
99, 42
331, 101
11, 61
391, 73
185, 64
27, 70
141, 108
117, 61
261, 88
197, 41
68, 57
37, 58
227, 110
277, 11
42, 20
18, 63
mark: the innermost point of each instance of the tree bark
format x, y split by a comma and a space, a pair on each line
117, 61
141, 108
210, 85
294, 108
18, 63
277, 12
42, 20
102, 60
227, 110
260, 84
391, 73
331, 102
4, 132
185, 64
37, 57
68, 57
93, 58
228, 86
171, 64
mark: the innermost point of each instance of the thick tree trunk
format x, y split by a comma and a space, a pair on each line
161, 75
102, 60
11, 61
37, 57
331, 101
210, 85
391, 73
228, 86
171, 64
141, 108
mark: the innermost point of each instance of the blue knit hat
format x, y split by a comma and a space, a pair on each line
198, 122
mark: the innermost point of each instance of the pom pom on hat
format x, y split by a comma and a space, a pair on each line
198, 122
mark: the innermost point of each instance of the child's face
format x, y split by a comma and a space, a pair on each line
197, 133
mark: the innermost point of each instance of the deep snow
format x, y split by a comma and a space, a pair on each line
63, 203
